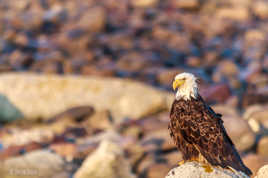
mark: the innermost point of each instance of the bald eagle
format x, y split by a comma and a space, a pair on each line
198, 131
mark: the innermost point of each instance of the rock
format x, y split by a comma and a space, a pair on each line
255, 162
237, 128
263, 172
216, 93
235, 13
263, 146
66, 150
254, 34
107, 162
256, 116
8, 112
166, 76
157, 170
173, 158
194, 61
260, 9
21, 137
41, 163
132, 62
52, 94
93, 20
195, 170
56, 14
144, 3
225, 110
227, 68
186, 4
100, 120
158, 139
239, 131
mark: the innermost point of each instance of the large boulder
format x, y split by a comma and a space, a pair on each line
195, 170
8, 112
43, 96
237, 127
40, 163
262, 147
263, 172
107, 161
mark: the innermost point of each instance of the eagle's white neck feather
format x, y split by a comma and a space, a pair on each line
189, 88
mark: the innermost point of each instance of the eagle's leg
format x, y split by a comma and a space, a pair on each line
208, 168
181, 162
191, 159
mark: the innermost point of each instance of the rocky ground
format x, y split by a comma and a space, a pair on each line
128, 52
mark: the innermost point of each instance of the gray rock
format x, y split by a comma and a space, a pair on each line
263, 172
106, 162
195, 170
8, 112
43, 96
36, 164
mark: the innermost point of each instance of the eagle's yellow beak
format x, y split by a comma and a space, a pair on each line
177, 83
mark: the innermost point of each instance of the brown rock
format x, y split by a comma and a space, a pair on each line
263, 146
157, 170
254, 34
19, 60
218, 93
93, 20
100, 120
255, 162
132, 62
237, 128
144, 3
98, 71
166, 76
145, 162
66, 150
173, 158
226, 68
240, 132
194, 61
186, 4
235, 13
211, 58
158, 140
260, 9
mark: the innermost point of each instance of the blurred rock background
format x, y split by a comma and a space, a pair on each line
113, 114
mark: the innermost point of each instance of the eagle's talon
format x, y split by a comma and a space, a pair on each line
181, 162
207, 168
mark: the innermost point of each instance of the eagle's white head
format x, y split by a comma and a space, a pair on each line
186, 83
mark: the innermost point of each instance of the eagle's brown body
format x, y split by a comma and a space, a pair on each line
199, 134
